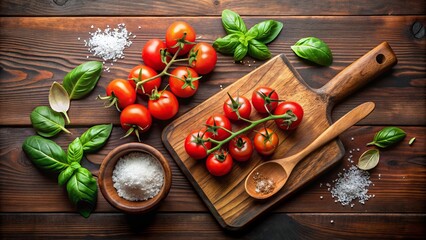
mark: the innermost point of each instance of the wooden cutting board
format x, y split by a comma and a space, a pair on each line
225, 196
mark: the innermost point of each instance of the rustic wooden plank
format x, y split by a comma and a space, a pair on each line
36, 51
202, 226
211, 7
401, 187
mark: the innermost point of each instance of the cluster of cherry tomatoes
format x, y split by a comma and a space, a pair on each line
199, 143
145, 80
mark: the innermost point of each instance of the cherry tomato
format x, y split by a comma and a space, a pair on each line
241, 148
196, 144
175, 34
151, 54
234, 104
296, 115
184, 82
202, 58
163, 105
215, 125
219, 163
265, 141
135, 119
120, 93
264, 99
141, 72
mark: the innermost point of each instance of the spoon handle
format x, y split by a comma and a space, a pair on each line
345, 122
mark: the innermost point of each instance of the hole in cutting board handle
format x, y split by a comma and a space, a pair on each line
380, 58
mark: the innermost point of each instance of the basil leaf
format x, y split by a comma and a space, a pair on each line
66, 174
45, 154
387, 137
369, 159
82, 79
75, 151
258, 50
265, 31
82, 191
240, 52
313, 49
47, 122
227, 44
232, 22
95, 137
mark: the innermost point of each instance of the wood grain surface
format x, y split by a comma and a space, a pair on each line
39, 44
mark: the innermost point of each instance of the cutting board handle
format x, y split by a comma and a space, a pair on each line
372, 64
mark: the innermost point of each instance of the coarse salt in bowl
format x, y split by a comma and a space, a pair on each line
128, 189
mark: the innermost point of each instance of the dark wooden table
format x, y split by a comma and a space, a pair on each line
39, 44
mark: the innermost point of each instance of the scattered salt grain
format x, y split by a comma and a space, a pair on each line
353, 184
321, 197
138, 176
332, 221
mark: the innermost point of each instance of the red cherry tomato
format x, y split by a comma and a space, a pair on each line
136, 119
234, 104
140, 73
264, 97
265, 141
163, 105
175, 33
151, 54
184, 82
241, 148
219, 163
215, 125
296, 113
120, 93
196, 145
202, 58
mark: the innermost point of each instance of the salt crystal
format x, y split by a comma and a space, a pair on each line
321, 197
332, 221
352, 138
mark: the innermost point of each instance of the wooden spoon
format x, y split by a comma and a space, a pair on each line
278, 171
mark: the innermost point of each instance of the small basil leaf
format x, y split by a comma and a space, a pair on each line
66, 174
240, 52
258, 50
265, 31
47, 122
82, 191
95, 137
227, 44
45, 154
313, 49
387, 137
82, 79
369, 159
232, 22
75, 151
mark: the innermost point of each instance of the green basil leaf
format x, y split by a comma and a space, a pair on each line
265, 31
240, 52
75, 151
369, 159
45, 154
95, 137
227, 44
313, 49
66, 174
82, 191
232, 22
47, 122
258, 50
82, 79
387, 137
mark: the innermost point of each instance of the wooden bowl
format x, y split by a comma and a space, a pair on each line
110, 193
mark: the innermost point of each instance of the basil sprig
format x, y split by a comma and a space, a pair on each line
239, 42
49, 156
47, 122
82, 79
314, 50
387, 137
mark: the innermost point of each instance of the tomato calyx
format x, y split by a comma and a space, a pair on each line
188, 80
182, 41
164, 55
288, 118
267, 99
240, 143
199, 139
112, 99
155, 94
133, 129
267, 135
221, 155
235, 105
192, 56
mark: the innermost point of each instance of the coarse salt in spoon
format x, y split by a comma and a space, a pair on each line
269, 177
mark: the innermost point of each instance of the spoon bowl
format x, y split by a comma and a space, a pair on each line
275, 173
